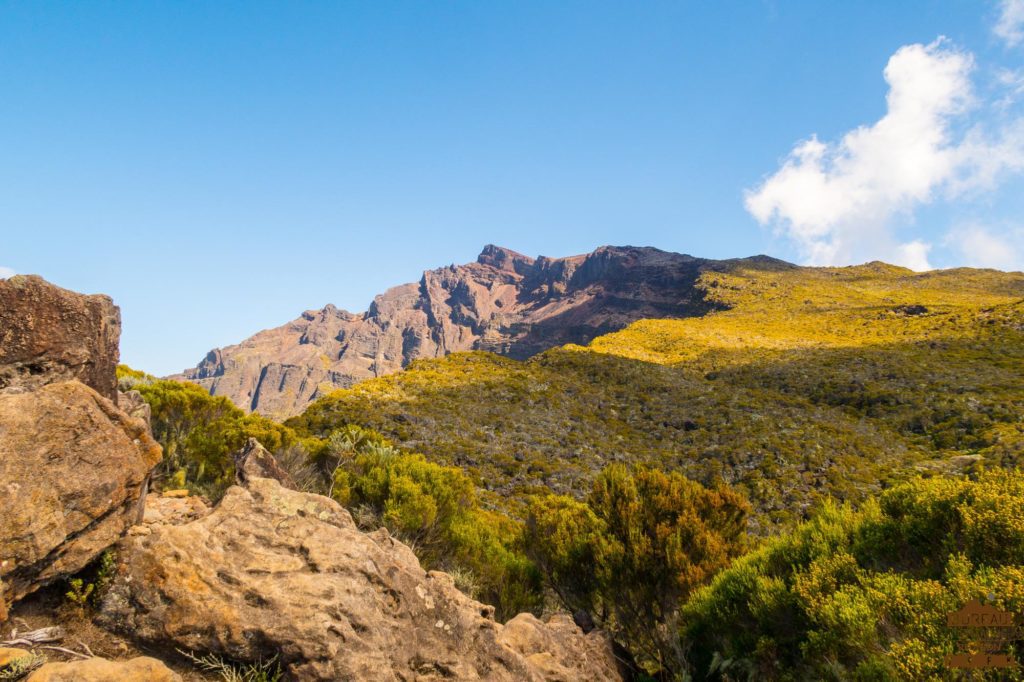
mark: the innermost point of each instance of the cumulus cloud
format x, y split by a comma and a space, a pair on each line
837, 201
6, 272
981, 247
1010, 25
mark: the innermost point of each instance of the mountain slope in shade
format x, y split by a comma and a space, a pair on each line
505, 303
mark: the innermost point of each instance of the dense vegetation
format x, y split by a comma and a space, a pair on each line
199, 432
864, 595
631, 554
813, 383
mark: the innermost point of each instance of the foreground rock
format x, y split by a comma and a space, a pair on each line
255, 461
141, 669
49, 334
71, 469
505, 302
272, 571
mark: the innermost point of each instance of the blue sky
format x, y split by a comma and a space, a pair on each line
219, 167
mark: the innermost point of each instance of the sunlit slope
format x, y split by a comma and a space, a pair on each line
937, 357
813, 383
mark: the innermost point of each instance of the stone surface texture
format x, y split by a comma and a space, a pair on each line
49, 334
271, 571
141, 669
71, 470
72, 464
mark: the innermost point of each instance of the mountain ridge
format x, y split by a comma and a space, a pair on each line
504, 302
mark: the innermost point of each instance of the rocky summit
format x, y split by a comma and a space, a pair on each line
505, 302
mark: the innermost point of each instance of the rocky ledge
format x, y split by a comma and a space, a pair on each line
272, 571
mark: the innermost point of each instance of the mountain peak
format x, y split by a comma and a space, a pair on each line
502, 258
505, 303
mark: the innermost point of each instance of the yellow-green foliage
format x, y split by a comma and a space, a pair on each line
640, 545
435, 509
814, 382
200, 432
864, 594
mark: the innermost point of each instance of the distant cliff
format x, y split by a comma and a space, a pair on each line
505, 302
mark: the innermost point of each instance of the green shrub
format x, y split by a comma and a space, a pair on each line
630, 556
864, 594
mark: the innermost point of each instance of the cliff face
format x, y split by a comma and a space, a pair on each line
505, 302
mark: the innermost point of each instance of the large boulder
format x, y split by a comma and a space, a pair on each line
72, 467
271, 571
49, 334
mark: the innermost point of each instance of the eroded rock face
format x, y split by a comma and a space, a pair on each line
273, 571
49, 334
71, 469
505, 302
141, 669
255, 461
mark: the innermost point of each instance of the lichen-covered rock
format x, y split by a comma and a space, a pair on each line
49, 334
271, 571
141, 669
134, 405
71, 469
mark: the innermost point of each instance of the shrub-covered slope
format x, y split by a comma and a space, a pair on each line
813, 382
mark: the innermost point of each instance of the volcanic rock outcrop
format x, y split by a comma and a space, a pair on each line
505, 302
271, 571
49, 334
72, 465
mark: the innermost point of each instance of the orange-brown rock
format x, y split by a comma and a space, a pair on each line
71, 469
141, 669
255, 461
271, 571
504, 302
49, 334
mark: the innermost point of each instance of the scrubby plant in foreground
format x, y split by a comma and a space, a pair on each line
436, 510
200, 432
634, 550
864, 594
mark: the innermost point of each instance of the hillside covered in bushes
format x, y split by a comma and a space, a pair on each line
811, 383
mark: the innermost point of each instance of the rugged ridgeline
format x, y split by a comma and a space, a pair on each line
505, 303
267, 574
805, 383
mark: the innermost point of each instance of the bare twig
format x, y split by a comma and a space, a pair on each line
85, 647
62, 650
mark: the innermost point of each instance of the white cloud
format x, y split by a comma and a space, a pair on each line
1012, 83
1010, 25
837, 201
913, 255
6, 272
979, 247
